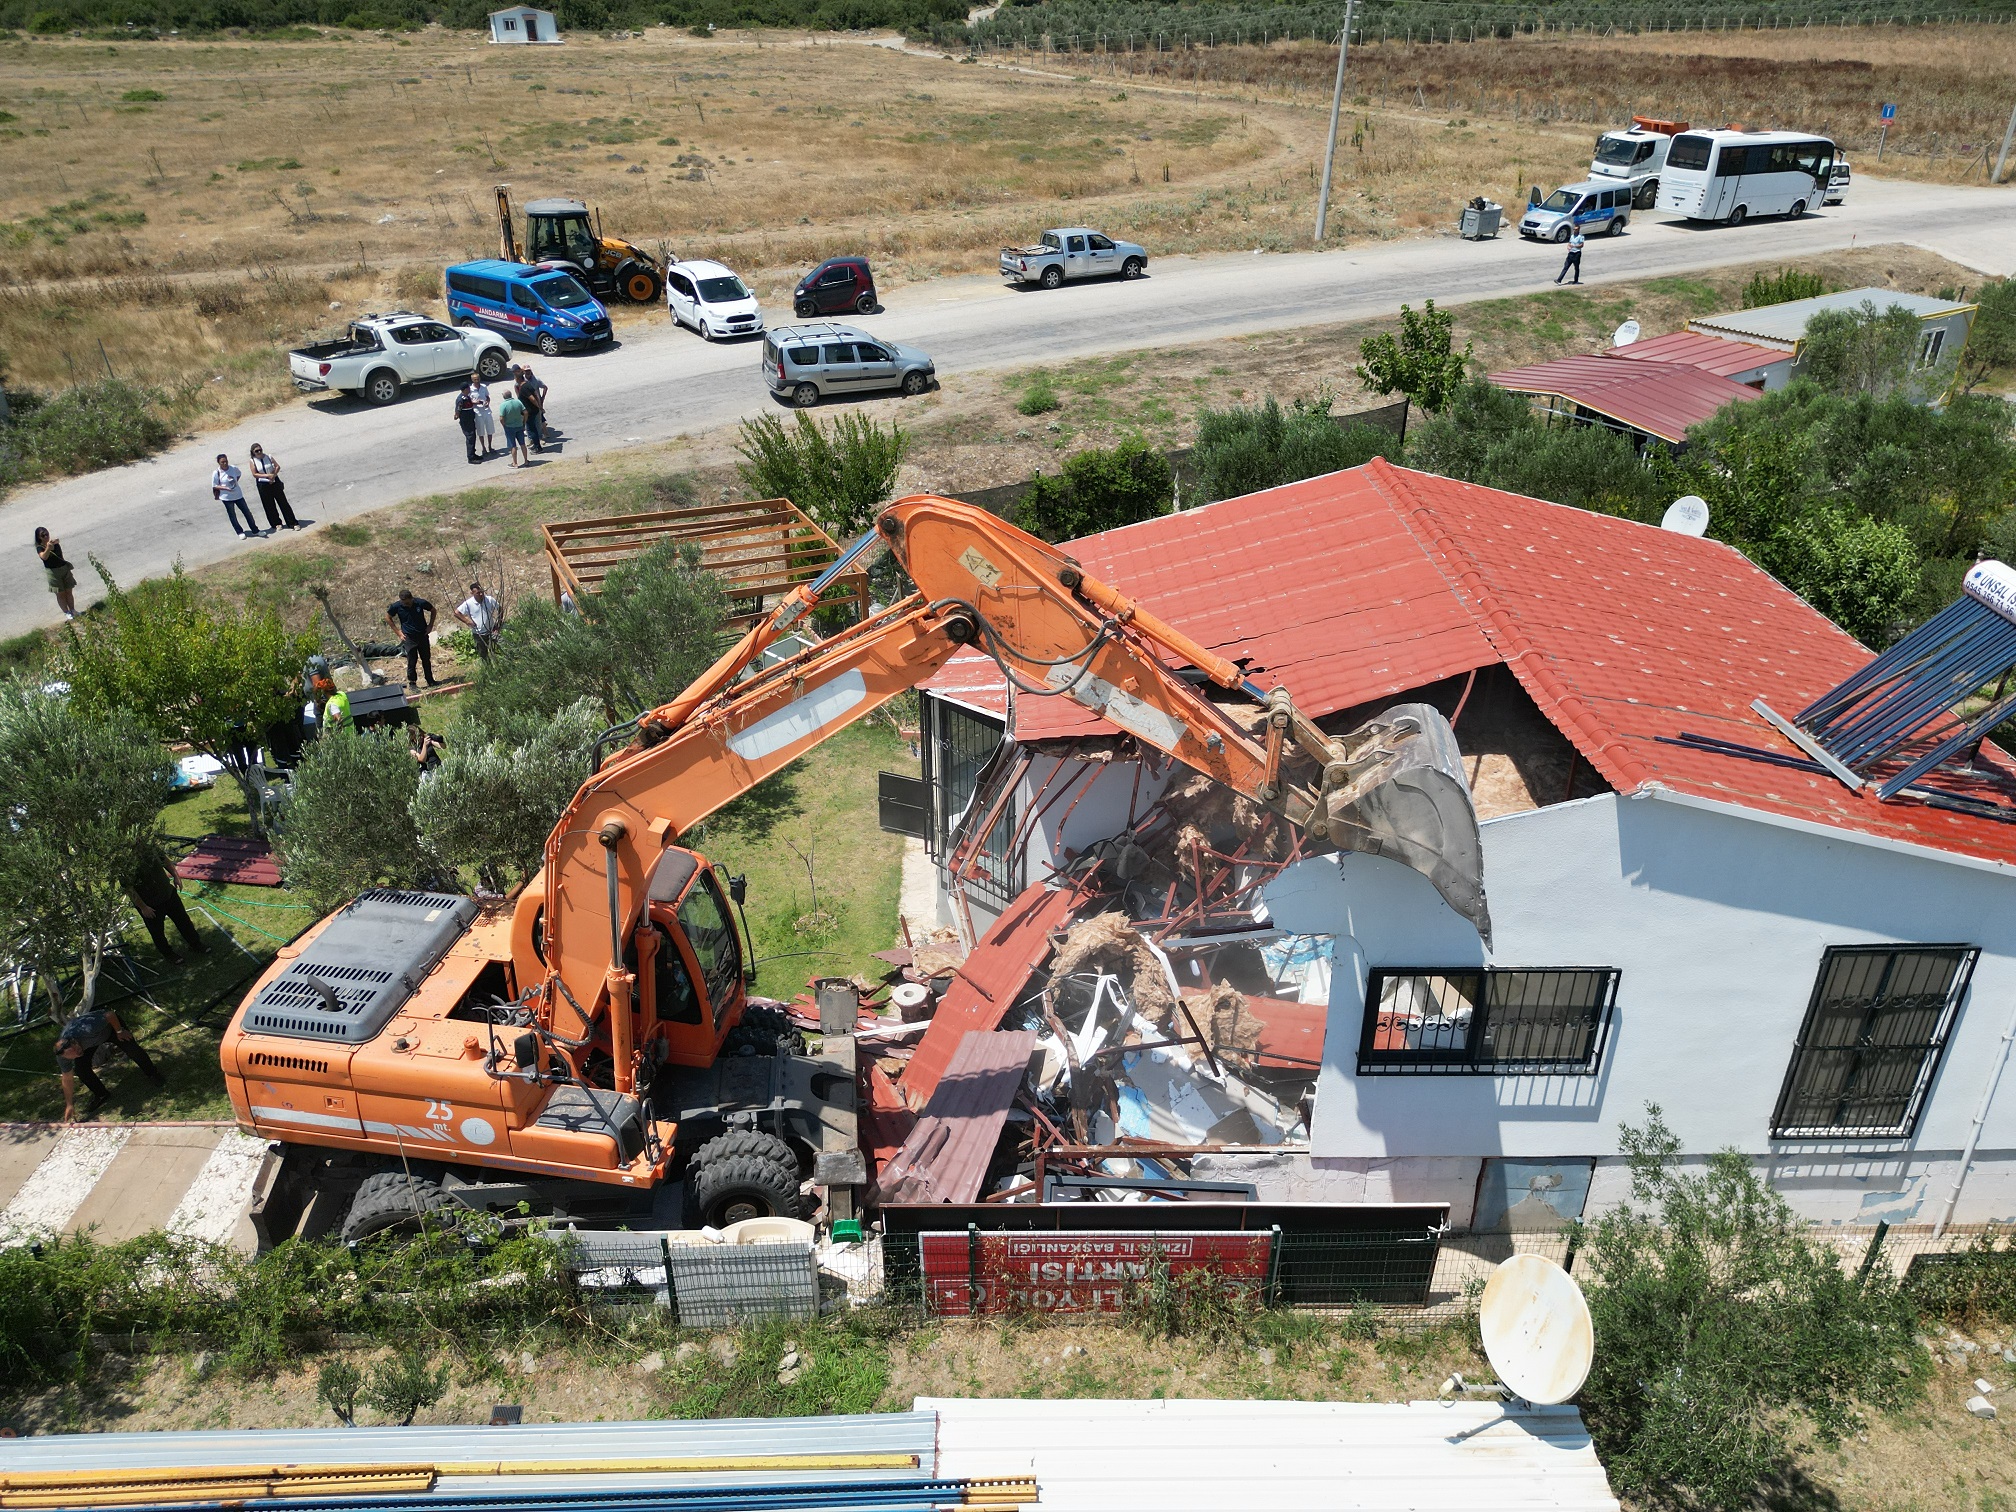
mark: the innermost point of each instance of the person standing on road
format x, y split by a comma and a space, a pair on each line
484, 616
511, 415
62, 576
272, 492
532, 393
413, 618
465, 416
486, 418
77, 1045
227, 487
1573, 262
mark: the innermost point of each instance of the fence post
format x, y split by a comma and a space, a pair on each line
1875, 1249
972, 1270
671, 1287
2002, 158
1274, 1267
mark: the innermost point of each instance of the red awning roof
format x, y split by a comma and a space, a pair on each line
1660, 398
1625, 635
1711, 354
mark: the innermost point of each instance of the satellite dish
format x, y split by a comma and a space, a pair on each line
1686, 515
1625, 334
1537, 1331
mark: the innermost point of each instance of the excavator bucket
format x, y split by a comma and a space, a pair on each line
1409, 801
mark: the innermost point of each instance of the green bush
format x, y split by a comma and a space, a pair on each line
1782, 287
1868, 351
1099, 490
1968, 1287
90, 426
654, 627
1039, 396
348, 824
1247, 448
501, 788
1724, 1332
1991, 343
839, 474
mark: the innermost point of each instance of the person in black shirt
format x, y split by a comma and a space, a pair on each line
413, 618
152, 890
77, 1045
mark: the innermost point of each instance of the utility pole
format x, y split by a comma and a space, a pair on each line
1336, 108
2002, 158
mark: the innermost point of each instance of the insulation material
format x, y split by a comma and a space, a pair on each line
1108, 943
1227, 1023
1207, 813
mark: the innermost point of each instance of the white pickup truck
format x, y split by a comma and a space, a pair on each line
1072, 252
381, 354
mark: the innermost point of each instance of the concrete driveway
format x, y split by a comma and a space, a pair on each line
343, 458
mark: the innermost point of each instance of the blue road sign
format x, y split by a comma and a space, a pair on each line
1889, 113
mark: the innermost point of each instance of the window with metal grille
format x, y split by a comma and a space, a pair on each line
1865, 1056
1491, 1023
959, 746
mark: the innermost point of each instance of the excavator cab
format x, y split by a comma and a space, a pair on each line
691, 976
559, 230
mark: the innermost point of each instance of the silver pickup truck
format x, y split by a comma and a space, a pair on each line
381, 354
1072, 252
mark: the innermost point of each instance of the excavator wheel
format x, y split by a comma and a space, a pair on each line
639, 284
764, 1031
736, 1187
393, 1202
752, 1143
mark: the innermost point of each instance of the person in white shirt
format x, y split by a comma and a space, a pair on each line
227, 487
484, 616
272, 492
486, 419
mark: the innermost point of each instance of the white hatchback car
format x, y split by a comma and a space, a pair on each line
712, 300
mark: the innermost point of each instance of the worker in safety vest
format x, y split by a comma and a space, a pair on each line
336, 714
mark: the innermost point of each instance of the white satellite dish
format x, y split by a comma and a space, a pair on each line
1687, 515
1537, 1331
1625, 334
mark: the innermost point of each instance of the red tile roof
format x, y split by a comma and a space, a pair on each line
1712, 354
1660, 398
1622, 633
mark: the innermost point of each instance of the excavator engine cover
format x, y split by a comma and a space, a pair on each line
361, 969
1420, 813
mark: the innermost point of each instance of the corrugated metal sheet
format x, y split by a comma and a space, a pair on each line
1782, 325
912, 1433
1723, 356
1204, 1456
1660, 398
946, 1156
987, 981
1303, 584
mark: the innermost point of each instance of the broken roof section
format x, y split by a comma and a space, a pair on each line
1626, 636
1659, 399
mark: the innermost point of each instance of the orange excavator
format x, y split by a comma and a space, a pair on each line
572, 1051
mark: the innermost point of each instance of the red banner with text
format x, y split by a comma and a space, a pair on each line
971, 1275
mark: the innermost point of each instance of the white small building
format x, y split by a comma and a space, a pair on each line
523, 24
1686, 911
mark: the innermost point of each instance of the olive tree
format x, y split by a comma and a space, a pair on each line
499, 790
191, 666
82, 797
1421, 361
348, 824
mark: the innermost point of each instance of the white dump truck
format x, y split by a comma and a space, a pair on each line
1636, 156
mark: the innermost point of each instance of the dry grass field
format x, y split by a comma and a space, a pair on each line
181, 212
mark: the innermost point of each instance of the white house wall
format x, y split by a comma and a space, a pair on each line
1718, 924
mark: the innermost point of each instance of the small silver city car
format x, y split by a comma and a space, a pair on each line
806, 363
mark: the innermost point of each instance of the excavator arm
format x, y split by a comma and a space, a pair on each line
1392, 787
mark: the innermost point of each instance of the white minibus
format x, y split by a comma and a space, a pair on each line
1731, 176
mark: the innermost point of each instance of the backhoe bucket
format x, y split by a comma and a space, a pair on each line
1418, 809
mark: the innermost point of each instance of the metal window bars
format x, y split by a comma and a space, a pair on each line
1871, 1041
1551, 1022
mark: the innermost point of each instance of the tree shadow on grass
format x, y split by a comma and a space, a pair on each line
760, 810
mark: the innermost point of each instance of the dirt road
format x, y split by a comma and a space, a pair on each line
343, 458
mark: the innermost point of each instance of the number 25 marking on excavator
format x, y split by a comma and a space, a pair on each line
439, 1112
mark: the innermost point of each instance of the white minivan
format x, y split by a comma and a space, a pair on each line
711, 299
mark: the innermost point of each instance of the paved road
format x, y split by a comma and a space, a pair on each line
344, 458
123, 1180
